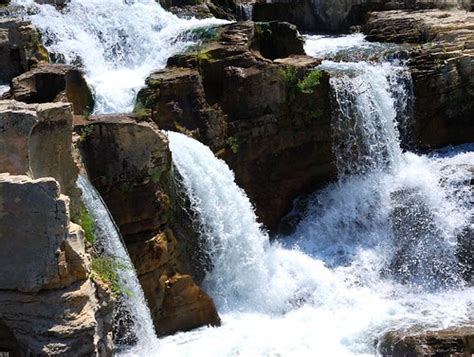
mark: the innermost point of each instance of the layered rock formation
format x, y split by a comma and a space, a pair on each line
442, 67
129, 162
443, 343
20, 48
242, 95
48, 306
338, 15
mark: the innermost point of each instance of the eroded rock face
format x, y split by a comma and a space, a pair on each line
442, 67
36, 139
338, 15
48, 306
248, 108
20, 48
200, 9
53, 83
443, 343
129, 162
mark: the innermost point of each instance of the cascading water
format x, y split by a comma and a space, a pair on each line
374, 252
110, 241
118, 43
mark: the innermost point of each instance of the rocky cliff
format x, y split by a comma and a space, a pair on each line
129, 162
442, 66
251, 94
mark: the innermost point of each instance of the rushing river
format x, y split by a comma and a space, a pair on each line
374, 252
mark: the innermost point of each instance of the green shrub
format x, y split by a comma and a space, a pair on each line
290, 75
88, 224
233, 143
310, 82
107, 269
85, 131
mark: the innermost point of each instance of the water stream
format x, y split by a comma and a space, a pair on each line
110, 242
373, 252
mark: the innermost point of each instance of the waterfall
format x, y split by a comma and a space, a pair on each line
245, 12
117, 43
374, 252
133, 305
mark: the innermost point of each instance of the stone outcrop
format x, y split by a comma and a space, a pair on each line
200, 9
443, 343
244, 100
36, 139
20, 48
442, 66
338, 15
48, 305
53, 83
129, 162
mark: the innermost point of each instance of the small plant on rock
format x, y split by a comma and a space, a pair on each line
233, 143
107, 269
310, 82
88, 225
85, 131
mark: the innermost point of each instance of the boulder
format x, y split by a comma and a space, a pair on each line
442, 66
20, 48
48, 305
53, 83
456, 341
36, 140
185, 306
235, 95
129, 162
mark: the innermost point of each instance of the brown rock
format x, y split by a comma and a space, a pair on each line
53, 83
185, 306
458, 341
20, 48
129, 162
442, 69
231, 96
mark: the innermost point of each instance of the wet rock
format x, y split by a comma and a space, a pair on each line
442, 66
456, 341
229, 94
20, 48
53, 83
48, 306
129, 162
36, 140
185, 306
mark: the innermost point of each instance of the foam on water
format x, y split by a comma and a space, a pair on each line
296, 301
117, 42
4, 88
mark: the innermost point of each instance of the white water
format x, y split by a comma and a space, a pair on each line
110, 241
329, 46
119, 43
374, 252
4, 89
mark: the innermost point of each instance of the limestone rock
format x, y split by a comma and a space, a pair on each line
48, 306
442, 69
74, 321
34, 221
36, 139
20, 48
53, 83
247, 108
